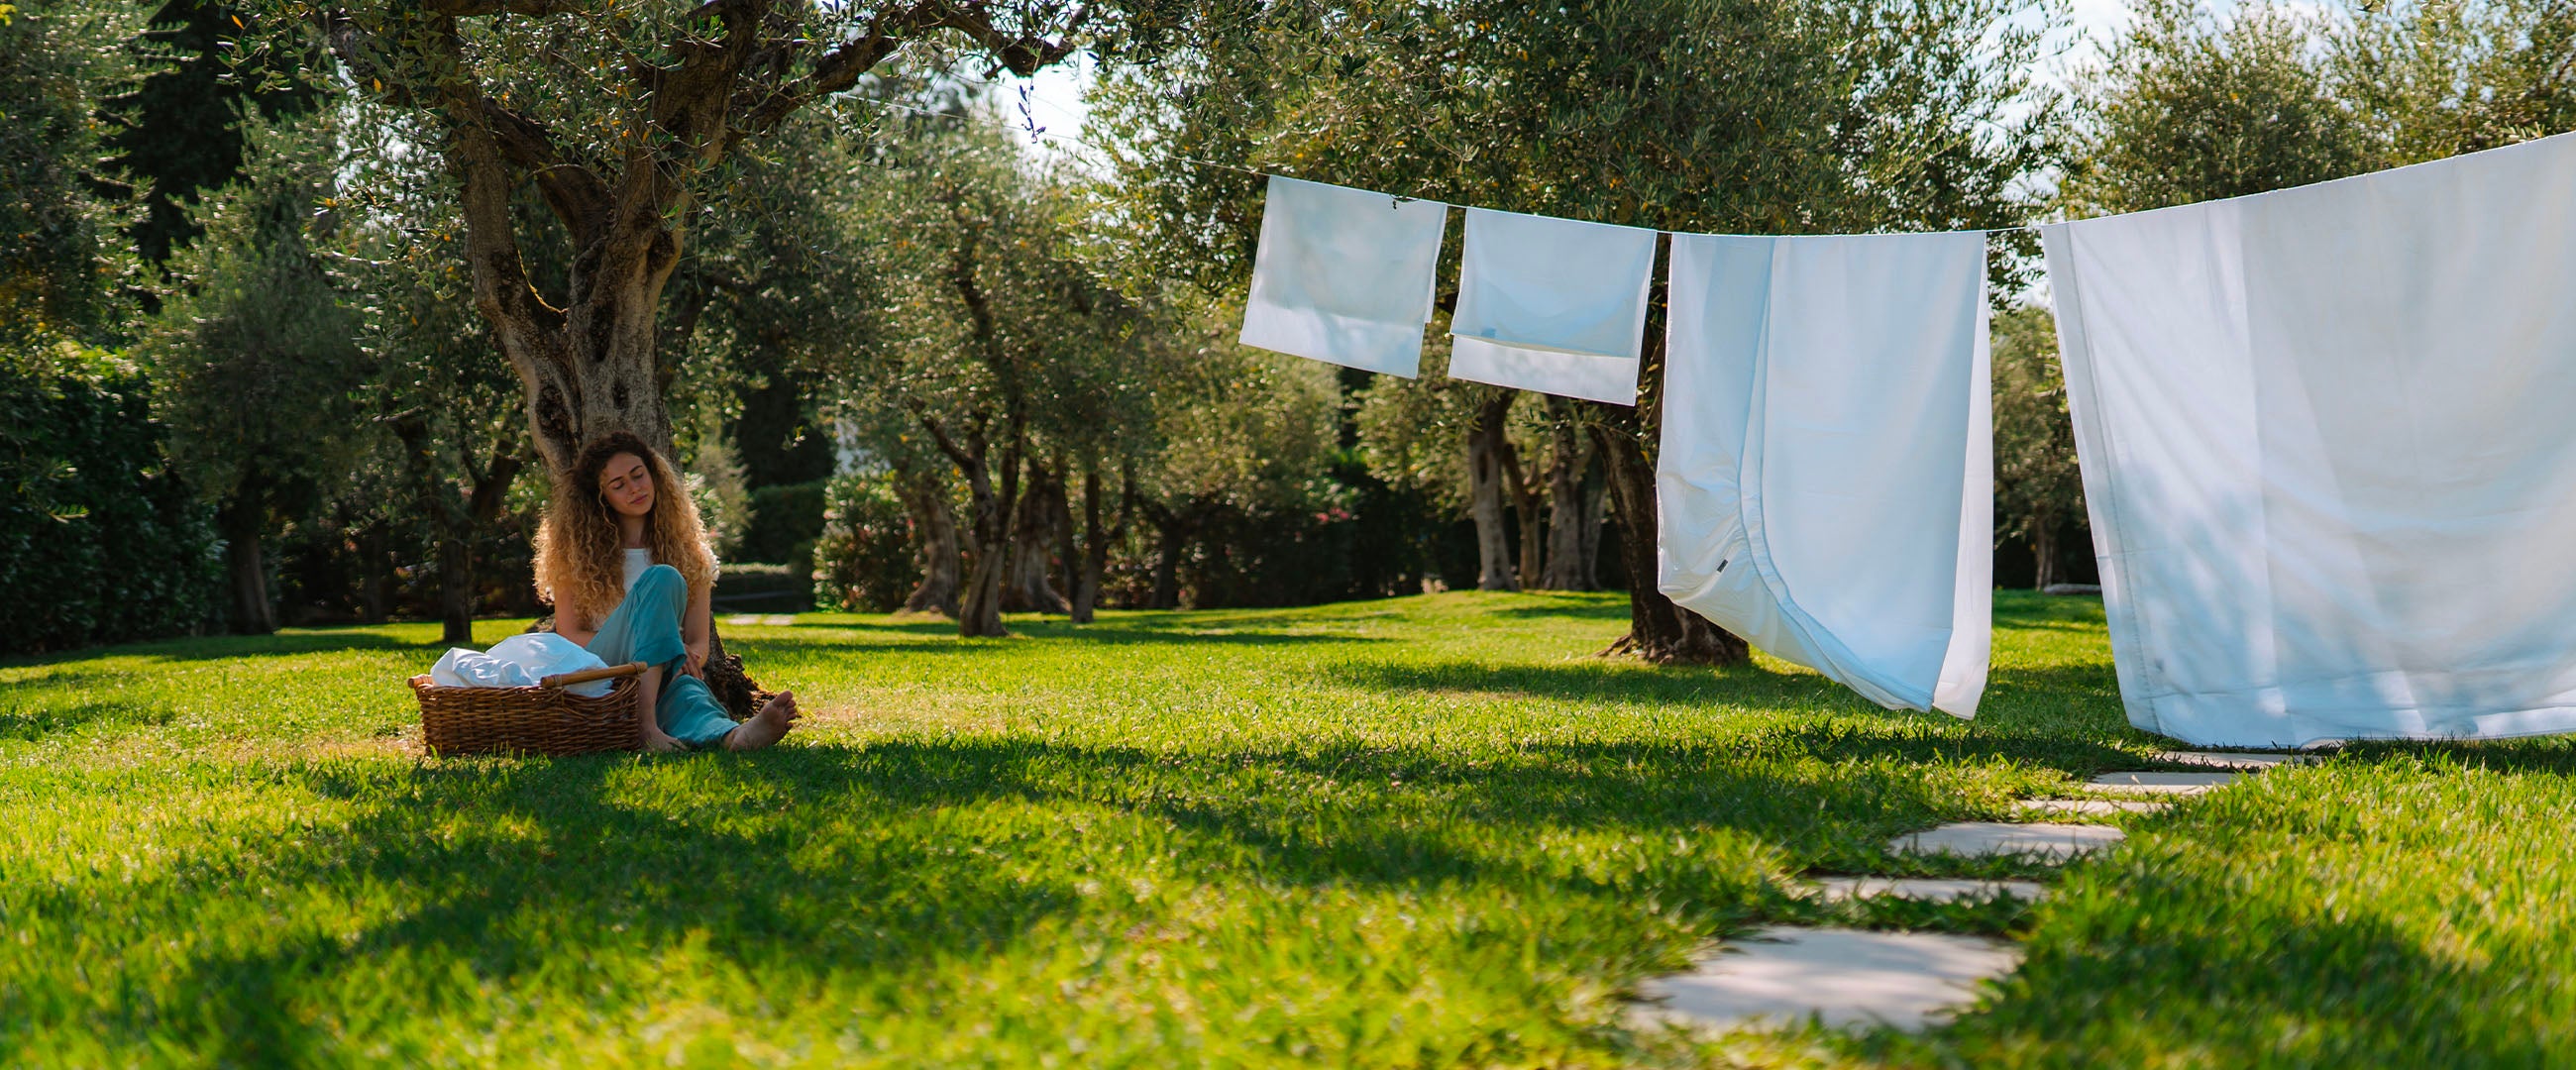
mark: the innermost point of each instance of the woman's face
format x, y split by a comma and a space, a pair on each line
627, 483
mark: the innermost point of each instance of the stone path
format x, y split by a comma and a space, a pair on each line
764, 620
1845, 977
1910, 980
2040, 841
2090, 807
2161, 783
1927, 889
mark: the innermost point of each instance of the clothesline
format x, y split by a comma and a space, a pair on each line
1036, 132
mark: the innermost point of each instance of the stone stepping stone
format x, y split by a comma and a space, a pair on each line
1845, 978
1926, 889
2095, 807
1987, 839
2161, 783
2242, 761
760, 620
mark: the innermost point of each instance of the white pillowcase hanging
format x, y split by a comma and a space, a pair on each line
2326, 448
1344, 275
1552, 305
1825, 484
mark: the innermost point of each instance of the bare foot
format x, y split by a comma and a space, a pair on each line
662, 744
765, 727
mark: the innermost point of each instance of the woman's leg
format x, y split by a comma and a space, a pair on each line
689, 713
645, 627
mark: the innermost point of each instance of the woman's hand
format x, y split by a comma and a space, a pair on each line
697, 659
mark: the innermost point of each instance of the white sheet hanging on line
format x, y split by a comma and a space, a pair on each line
2326, 445
1826, 483
1551, 305
1344, 275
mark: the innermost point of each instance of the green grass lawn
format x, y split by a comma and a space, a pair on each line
1424, 832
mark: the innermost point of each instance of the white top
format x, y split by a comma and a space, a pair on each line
636, 562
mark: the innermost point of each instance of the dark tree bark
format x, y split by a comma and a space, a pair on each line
934, 538
1033, 543
455, 521
2043, 547
1527, 498
1487, 440
242, 519
1658, 630
1623, 439
1172, 539
1595, 506
375, 590
994, 510
1566, 520
1095, 548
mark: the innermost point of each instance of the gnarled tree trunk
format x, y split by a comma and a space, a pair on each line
1487, 440
1658, 629
242, 519
1094, 555
1033, 543
934, 540
1527, 497
1566, 519
1622, 439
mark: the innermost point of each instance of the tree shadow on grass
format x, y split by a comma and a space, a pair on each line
234, 648
808, 863
1606, 680
755, 648
29, 723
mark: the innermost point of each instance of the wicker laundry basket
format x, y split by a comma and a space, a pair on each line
545, 719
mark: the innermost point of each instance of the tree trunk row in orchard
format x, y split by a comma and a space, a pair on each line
1556, 515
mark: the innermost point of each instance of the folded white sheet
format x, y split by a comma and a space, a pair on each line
1552, 305
1344, 276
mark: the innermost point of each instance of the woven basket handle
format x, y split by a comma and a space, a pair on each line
567, 679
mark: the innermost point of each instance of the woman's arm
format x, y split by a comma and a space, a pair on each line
696, 627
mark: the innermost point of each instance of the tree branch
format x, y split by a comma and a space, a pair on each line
844, 65
573, 191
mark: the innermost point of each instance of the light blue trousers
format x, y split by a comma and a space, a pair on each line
646, 628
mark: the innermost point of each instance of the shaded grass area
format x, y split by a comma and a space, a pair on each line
1424, 832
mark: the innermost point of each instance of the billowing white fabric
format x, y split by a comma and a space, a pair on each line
2327, 447
1826, 482
1551, 305
1344, 275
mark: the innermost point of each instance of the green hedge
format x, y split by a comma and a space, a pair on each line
100, 542
785, 521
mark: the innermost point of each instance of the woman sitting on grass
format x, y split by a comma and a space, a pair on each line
624, 558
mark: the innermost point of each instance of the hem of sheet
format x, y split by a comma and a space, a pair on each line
2222, 721
1392, 348
1545, 369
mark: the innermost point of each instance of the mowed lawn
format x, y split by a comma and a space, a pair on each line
1424, 832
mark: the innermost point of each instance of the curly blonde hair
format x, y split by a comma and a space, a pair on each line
577, 546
